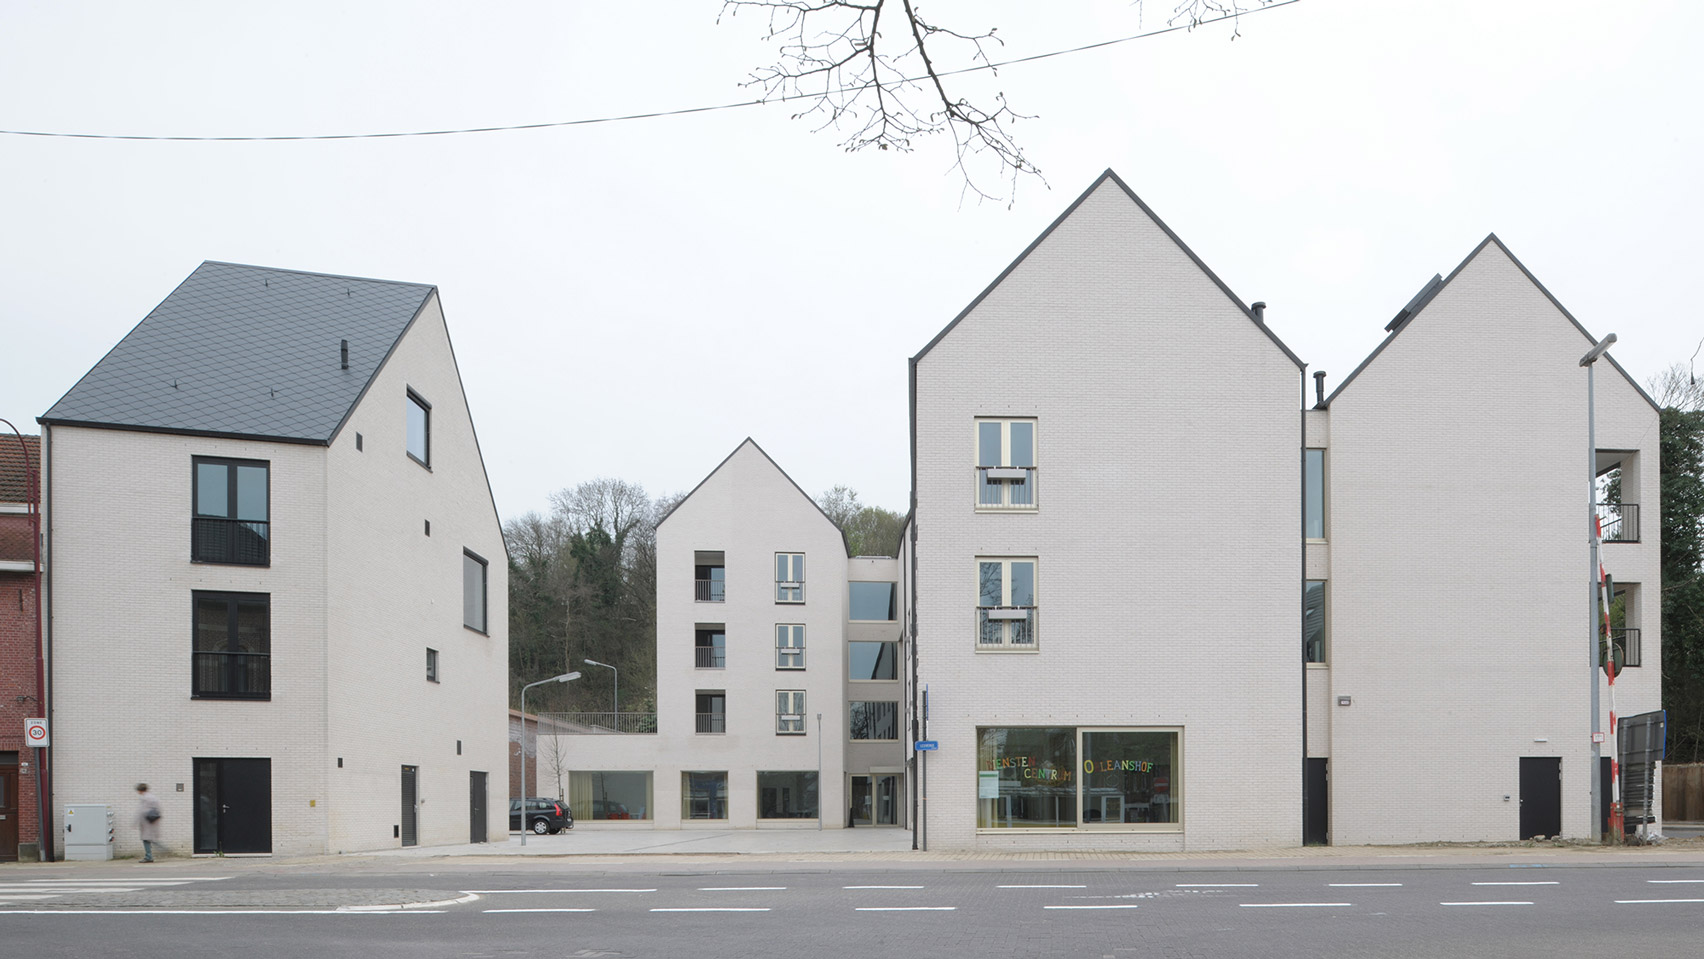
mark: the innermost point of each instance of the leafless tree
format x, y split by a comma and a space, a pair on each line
880, 72
1679, 386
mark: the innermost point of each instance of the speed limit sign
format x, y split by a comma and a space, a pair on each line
35, 732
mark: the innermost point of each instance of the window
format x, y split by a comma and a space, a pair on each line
473, 591
431, 665
874, 720
1005, 464
789, 712
232, 646
874, 601
232, 506
709, 578
869, 661
710, 647
789, 577
787, 795
1006, 613
1313, 620
611, 795
419, 429
1313, 494
703, 795
1032, 778
789, 646
712, 709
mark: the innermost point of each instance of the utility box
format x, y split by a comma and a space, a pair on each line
88, 831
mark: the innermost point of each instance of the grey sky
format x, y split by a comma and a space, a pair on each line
631, 299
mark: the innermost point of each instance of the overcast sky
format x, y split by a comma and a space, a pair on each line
631, 299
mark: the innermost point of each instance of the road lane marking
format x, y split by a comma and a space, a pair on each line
174, 880
495, 892
712, 909
905, 908
1126, 906
1625, 902
1484, 903
1295, 905
881, 887
1674, 880
1217, 885
1548, 883
741, 888
1362, 885
538, 910
212, 912
1041, 887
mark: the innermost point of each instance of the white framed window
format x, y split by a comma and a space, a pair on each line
789, 712
1005, 603
1005, 464
789, 646
789, 577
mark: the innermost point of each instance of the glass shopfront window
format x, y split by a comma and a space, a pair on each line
1048, 777
787, 795
609, 795
704, 795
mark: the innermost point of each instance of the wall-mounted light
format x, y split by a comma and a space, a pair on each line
1343, 700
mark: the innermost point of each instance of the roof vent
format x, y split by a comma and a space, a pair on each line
1259, 309
345, 354
1319, 389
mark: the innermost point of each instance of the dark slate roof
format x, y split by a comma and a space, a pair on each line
247, 351
14, 471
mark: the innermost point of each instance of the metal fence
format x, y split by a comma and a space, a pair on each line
571, 724
1620, 522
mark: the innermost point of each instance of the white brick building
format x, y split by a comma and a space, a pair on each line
780, 692
278, 583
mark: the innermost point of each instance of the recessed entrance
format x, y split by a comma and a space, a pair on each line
875, 800
233, 806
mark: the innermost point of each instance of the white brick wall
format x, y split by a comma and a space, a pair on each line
1166, 536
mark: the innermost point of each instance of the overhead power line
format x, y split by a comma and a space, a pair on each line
683, 111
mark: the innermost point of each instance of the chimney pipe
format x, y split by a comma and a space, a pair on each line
1319, 386
346, 354
1259, 308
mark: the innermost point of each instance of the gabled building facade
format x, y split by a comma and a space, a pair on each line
780, 691
278, 580
20, 692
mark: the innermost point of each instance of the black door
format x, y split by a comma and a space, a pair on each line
410, 776
1316, 821
9, 805
475, 807
233, 805
1541, 796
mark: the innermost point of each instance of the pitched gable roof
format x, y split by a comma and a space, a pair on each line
1104, 177
1435, 286
247, 351
15, 470
748, 441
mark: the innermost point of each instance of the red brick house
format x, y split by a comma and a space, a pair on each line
20, 697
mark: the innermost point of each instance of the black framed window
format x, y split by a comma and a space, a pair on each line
232, 657
473, 591
419, 429
232, 509
431, 665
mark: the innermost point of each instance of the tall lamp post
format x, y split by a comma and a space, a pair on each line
32, 493
565, 677
1589, 361
617, 689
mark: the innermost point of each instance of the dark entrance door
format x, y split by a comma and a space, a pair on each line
9, 804
410, 804
233, 805
1316, 818
1541, 796
475, 807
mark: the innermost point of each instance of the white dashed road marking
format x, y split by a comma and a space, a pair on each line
906, 908
1552, 883
1297, 905
1218, 885
741, 888
540, 910
713, 909
495, 892
1484, 903
1362, 885
1090, 907
881, 887
1041, 887
1627, 902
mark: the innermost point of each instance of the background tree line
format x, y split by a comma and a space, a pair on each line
583, 585
1681, 396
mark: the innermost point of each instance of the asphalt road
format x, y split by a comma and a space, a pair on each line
820, 912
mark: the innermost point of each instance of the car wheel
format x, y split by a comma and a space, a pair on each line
540, 827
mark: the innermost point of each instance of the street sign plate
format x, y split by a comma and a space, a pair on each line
925, 745
35, 732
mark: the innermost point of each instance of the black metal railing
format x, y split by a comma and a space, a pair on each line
1006, 627
596, 724
238, 542
712, 722
710, 657
227, 675
1005, 487
1627, 640
1620, 522
709, 590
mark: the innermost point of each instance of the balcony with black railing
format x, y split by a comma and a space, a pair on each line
1619, 522
232, 675
710, 657
712, 722
1006, 627
236, 542
1627, 641
709, 591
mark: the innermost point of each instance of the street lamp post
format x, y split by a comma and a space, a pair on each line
1589, 361
616, 689
565, 677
